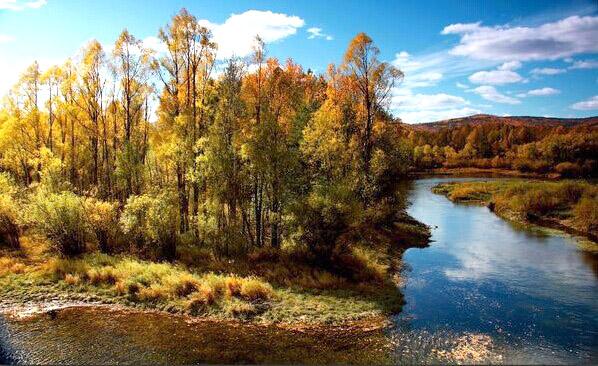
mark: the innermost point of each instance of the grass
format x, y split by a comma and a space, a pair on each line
267, 287
567, 205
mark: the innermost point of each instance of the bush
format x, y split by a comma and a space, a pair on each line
568, 169
61, 217
585, 213
151, 223
103, 221
9, 229
322, 218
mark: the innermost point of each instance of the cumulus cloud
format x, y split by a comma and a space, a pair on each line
417, 108
436, 115
21, 5
490, 93
511, 65
427, 101
590, 104
235, 37
155, 44
547, 71
504, 74
587, 64
541, 92
549, 41
315, 32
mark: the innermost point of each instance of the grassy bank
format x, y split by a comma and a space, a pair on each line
570, 206
266, 287
485, 172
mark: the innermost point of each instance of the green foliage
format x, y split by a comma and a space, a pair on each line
102, 217
9, 228
585, 212
323, 217
150, 221
62, 218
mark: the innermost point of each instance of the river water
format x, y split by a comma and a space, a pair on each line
534, 293
485, 290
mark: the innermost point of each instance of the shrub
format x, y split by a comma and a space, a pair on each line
568, 169
322, 218
103, 220
61, 217
9, 218
253, 289
151, 223
9, 229
585, 213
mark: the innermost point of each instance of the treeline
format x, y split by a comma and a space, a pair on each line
244, 154
568, 151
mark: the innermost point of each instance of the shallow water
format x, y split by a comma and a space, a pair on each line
484, 291
96, 335
535, 294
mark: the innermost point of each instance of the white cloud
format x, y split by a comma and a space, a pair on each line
427, 101
5, 38
421, 80
235, 37
315, 32
540, 92
547, 71
21, 5
490, 93
436, 115
495, 77
155, 44
417, 108
560, 39
587, 64
590, 104
461, 85
511, 65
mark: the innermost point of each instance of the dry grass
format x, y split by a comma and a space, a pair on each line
11, 265
572, 203
148, 282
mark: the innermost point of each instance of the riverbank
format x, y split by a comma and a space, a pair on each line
569, 206
487, 172
268, 287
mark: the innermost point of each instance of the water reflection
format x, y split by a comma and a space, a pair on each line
482, 274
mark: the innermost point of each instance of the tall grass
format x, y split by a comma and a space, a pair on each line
149, 282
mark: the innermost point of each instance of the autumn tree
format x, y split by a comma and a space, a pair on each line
373, 82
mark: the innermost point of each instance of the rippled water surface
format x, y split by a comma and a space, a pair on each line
534, 293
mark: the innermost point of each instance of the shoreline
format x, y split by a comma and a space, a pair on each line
38, 284
586, 240
481, 172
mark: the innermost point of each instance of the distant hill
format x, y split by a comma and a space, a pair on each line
479, 119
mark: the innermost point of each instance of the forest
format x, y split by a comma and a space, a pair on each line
175, 180
565, 148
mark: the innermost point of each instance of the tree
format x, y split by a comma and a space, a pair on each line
372, 82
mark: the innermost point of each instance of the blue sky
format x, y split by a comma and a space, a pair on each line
459, 57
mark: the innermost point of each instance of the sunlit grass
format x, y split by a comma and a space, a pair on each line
572, 204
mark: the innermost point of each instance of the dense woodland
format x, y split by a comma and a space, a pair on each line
551, 146
243, 154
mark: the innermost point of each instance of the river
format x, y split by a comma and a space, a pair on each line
485, 290
534, 293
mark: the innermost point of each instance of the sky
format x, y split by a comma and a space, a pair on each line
460, 57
